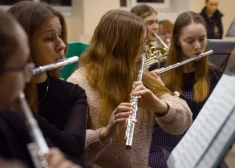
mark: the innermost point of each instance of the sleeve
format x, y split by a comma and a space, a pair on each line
194, 107
77, 110
71, 145
93, 147
179, 117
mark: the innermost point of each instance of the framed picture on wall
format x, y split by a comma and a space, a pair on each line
154, 3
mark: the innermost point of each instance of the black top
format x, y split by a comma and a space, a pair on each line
213, 21
188, 82
64, 105
14, 138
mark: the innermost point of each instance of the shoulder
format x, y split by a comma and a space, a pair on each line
215, 72
10, 115
203, 12
64, 86
78, 76
10, 121
218, 13
214, 75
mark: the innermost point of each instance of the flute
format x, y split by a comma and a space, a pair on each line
161, 70
38, 147
161, 41
48, 67
130, 122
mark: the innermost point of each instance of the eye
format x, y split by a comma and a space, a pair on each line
190, 42
149, 22
49, 38
201, 40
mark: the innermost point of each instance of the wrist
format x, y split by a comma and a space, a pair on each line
163, 109
102, 136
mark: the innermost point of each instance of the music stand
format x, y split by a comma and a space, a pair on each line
231, 29
212, 133
222, 51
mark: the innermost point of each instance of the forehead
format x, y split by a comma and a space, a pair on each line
165, 28
193, 30
50, 23
153, 16
212, 2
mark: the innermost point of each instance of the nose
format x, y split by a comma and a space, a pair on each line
60, 47
197, 45
155, 26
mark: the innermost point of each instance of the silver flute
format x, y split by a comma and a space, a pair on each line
130, 122
38, 147
48, 67
161, 41
161, 70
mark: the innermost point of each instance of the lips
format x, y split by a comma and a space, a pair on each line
197, 53
60, 59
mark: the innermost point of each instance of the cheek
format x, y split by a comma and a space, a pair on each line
186, 48
149, 28
204, 44
43, 55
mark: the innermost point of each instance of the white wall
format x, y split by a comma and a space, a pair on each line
87, 13
225, 6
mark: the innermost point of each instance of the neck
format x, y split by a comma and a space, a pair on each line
209, 14
40, 78
189, 67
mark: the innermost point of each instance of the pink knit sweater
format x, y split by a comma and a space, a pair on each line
114, 155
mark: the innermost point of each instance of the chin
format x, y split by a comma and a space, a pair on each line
198, 59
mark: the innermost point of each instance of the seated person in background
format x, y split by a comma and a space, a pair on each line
14, 72
194, 81
61, 103
164, 32
213, 18
149, 15
107, 71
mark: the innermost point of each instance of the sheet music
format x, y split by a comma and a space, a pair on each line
211, 119
222, 143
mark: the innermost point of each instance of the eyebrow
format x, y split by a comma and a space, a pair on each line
204, 35
51, 30
152, 20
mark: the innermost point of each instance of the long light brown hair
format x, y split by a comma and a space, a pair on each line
173, 78
110, 60
143, 10
31, 16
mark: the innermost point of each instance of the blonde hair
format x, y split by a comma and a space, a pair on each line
110, 60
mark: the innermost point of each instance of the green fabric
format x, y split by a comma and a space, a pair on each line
74, 49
